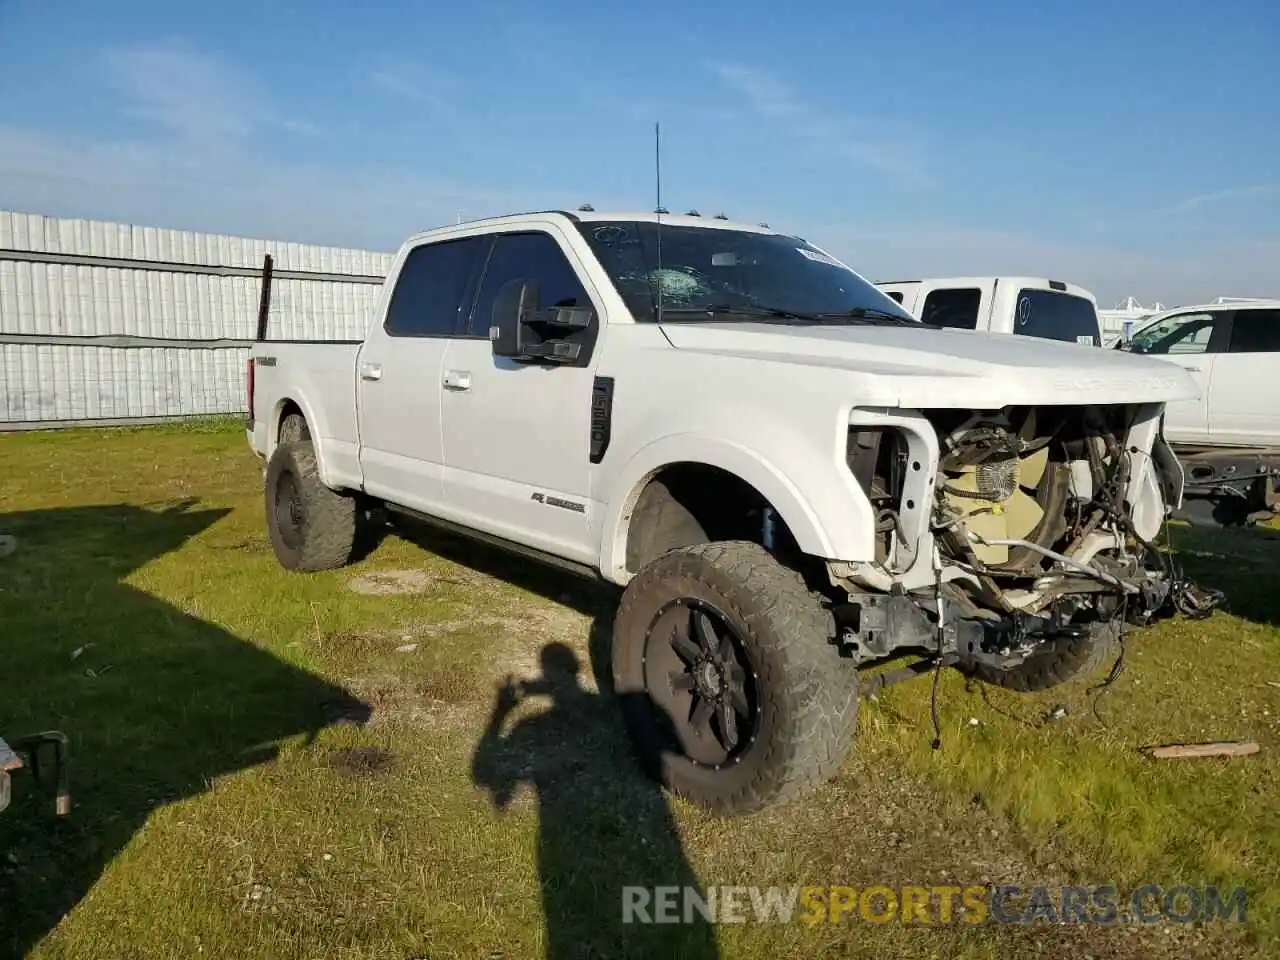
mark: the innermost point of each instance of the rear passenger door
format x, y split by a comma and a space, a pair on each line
400, 372
1244, 389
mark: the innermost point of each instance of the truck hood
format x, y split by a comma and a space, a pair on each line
902, 366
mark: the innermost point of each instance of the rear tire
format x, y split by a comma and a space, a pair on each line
293, 429
771, 651
311, 527
1062, 662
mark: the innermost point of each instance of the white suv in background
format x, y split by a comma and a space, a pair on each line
1233, 351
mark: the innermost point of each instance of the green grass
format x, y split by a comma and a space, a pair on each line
274, 765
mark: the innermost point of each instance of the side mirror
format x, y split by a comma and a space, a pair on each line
521, 330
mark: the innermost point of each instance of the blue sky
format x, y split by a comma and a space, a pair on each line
1130, 147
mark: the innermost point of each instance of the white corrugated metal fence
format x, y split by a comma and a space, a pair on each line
107, 321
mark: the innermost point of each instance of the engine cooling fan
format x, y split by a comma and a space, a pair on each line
992, 479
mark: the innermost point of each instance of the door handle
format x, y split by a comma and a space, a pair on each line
371, 371
457, 379
1193, 369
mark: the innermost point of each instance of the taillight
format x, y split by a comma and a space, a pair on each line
249, 385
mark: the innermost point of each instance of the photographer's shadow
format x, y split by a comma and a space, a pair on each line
603, 825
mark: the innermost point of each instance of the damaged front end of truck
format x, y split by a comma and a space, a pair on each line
1014, 543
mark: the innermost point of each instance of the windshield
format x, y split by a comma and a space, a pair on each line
1056, 316
1145, 339
706, 269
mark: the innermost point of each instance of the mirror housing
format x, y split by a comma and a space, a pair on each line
521, 330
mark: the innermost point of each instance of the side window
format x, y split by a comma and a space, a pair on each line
1184, 334
952, 308
894, 295
527, 256
431, 288
1255, 331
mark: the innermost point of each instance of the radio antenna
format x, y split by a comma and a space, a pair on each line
657, 170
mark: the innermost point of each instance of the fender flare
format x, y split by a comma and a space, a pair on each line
772, 483
314, 426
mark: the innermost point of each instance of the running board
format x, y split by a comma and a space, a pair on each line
500, 543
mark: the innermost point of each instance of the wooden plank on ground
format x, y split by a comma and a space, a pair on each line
1175, 751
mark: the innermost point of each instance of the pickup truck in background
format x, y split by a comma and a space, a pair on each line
1228, 437
1030, 306
788, 476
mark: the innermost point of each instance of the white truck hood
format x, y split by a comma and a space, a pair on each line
903, 366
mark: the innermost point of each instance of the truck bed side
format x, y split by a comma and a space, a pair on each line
318, 380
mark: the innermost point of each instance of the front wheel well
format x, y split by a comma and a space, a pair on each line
685, 504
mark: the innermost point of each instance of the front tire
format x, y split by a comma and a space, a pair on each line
730, 681
311, 527
1060, 662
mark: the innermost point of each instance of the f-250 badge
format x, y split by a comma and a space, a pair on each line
557, 502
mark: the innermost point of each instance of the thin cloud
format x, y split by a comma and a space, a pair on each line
1260, 191
765, 93
825, 135
203, 158
185, 94
414, 82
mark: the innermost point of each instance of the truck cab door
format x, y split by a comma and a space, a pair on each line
1193, 341
517, 433
399, 371
1244, 387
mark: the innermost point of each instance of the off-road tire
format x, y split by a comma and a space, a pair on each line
325, 534
807, 694
1064, 661
294, 429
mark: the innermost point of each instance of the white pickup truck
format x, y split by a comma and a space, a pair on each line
787, 474
1029, 306
1228, 437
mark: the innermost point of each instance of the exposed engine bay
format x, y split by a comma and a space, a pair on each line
1041, 526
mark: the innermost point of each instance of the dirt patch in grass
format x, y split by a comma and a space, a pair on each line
361, 762
390, 583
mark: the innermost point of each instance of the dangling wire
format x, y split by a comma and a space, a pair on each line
937, 663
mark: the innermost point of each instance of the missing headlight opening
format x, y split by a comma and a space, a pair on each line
1042, 521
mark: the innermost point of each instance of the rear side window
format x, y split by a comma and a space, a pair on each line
527, 256
894, 295
1051, 315
431, 287
1255, 331
952, 308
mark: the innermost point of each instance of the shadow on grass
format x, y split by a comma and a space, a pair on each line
602, 826
604, 820
1240, 562
157, 703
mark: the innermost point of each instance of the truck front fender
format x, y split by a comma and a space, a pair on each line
815, 495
